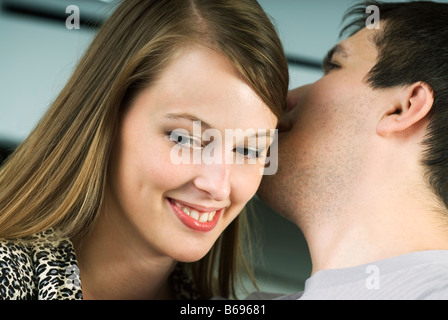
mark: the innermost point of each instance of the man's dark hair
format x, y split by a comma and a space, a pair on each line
413, 47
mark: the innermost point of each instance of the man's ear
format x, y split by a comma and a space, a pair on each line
413, 104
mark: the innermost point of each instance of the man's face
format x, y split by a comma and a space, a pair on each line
326, 133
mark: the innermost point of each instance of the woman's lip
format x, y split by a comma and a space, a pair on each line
193, 223
195, 206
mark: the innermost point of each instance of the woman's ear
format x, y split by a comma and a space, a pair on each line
413, 104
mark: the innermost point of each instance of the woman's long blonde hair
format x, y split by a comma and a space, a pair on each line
56, 177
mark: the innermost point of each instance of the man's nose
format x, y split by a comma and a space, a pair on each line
293, 101
294, 97
214, 180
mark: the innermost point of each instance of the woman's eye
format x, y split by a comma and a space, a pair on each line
184, 140
248, 152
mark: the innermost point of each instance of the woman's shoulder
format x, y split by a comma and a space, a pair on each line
184, 286
16, 271
42, 266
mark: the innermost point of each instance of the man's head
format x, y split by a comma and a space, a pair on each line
377, 118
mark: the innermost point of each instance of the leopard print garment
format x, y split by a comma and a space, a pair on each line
44, 267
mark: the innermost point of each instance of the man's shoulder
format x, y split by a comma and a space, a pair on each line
432, 280
413, 276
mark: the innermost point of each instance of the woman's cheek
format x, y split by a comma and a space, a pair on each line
246, 180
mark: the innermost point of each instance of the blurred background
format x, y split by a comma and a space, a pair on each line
38, 54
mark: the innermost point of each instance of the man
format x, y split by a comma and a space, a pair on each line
363, 160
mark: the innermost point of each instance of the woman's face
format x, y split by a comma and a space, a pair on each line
161, 192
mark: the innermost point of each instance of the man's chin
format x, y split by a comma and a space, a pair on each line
267, 191
273, 193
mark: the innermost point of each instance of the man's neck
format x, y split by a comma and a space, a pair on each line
374, 228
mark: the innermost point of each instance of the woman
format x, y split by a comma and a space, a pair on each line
93, 194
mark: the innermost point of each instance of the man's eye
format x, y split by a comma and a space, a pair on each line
330, 66
184, 140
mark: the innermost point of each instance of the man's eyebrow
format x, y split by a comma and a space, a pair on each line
187, 116
337, 49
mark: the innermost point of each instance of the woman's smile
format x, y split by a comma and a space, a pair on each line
196, 217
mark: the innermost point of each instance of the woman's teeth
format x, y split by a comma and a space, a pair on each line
201, 217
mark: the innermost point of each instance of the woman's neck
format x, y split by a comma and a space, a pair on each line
114, 264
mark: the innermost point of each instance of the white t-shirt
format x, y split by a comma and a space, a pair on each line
413, 276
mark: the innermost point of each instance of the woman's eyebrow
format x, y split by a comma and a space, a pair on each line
189, 117
204, 125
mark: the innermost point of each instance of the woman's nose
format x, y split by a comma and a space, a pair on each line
214, 179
